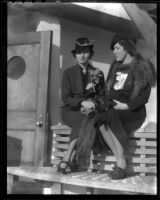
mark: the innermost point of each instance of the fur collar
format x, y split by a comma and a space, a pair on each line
141, 69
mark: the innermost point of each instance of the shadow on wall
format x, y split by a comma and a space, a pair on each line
22, 22
14, 149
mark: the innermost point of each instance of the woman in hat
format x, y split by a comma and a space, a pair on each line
75, 85
128, 85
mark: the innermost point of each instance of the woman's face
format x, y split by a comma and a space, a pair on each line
119, 52
83, 56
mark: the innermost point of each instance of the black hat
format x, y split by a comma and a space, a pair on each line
130, 42
82, 43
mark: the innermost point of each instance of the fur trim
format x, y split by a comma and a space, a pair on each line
142, 71
142, 75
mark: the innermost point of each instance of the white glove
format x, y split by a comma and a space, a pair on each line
86, 111
88, 104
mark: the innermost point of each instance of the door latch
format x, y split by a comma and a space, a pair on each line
39, 123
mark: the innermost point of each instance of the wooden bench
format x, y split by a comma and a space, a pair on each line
140, 153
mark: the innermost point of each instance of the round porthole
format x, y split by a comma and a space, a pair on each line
16, 67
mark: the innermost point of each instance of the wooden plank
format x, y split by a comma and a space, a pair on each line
143, 169
60, 127
151, 151
67, 128
130, 168
142, 160
58, 153
39, 173
138, 186
61, 132
60, 146
9, 183
107, 167
62, 139
21, 120
149, 134
130, 159
57, 188
145, 24
133, 142
55, 161
142, 143
144, 135
103, 158
130, 152
86, 179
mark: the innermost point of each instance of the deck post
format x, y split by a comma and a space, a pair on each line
9, 183
142, 20
56, 188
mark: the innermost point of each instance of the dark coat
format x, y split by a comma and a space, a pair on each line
72, 95
135, 93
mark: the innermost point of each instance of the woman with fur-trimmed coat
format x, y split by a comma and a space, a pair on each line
128, 88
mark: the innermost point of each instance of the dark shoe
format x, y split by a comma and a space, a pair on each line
117, 173
76, 168
63, 170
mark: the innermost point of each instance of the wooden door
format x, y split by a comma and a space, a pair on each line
27, 87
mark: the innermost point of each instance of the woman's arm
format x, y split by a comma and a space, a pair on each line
141, 99
67, 95
136, 103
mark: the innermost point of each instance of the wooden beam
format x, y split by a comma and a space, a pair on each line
9, 183
147, 6
56, 188
144, 23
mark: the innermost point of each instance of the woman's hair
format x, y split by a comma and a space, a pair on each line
91, 51
129, 46
128, 43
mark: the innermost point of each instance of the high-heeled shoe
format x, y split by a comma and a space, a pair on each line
117, 173
63, 170
77, 168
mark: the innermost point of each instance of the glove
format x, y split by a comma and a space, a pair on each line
87, 107
88, 104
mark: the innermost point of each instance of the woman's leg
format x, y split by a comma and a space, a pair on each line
108, 139
69, 152
121, 161
115, 146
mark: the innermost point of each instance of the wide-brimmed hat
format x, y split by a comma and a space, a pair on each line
129, 42
82, 43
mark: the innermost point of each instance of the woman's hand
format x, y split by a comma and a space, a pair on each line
86, 111
87, 107
120, 106
88, 104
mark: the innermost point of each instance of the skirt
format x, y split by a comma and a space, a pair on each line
122, 122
